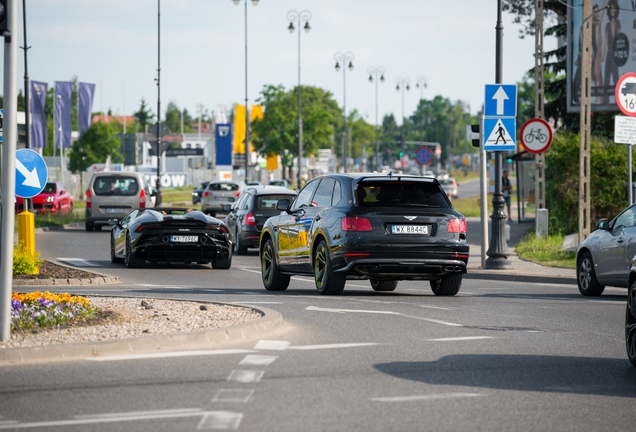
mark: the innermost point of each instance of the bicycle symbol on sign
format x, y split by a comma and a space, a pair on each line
536, 133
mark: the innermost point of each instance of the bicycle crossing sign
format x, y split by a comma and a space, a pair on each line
536, 135
499, 134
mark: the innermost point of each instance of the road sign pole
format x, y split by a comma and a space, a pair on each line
8, 169
498, 250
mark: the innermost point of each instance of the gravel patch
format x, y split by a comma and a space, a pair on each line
137, 317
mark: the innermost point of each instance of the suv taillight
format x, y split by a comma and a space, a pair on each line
142, 199
356, 224
457, 226
250, 219
89, 198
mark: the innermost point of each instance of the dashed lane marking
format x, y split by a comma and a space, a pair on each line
220, 420
271, 345
314, 308
233, 395
464, 338
426, 397
330, 346
78, 262
257, 360
246, 376
170, 354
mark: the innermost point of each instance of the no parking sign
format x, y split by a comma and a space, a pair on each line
423, 156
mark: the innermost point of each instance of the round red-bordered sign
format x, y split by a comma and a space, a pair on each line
625, 94
423, 156
536, 135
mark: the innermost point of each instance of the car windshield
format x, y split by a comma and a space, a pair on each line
202, 185
400, 194
49, 188
116, 185
269, 201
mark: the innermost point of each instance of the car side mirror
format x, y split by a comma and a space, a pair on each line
603, 224
283, 205
113, 222
62, 192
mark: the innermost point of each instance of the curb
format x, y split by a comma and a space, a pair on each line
148, 344
105, 280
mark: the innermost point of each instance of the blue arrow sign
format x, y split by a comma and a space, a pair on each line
499, 134
1, 124
501, 100
31, 173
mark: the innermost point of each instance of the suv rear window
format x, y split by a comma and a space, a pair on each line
228, 187
269, 201
116, 185
400, 193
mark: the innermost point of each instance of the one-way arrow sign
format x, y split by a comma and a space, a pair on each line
31, 173
501, 100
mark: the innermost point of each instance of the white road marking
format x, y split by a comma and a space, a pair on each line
315, 308
329, 346
436, 307
257, 360
426, 397
171, 286
271, 345
613, 302
254, 302
169, 354
465, 338
233, 395
246, 376
220, 420
78, 262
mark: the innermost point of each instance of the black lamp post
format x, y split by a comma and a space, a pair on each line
376, 74
158, 79
301, 17
403, 84
347, 62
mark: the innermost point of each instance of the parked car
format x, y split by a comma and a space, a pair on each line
112, 195
384, 228
630, 316
220, 193
284, 183
198, 191
53, 199
605, 257
450, 187
247, 216
170, 235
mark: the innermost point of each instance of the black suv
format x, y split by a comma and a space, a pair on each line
248, 214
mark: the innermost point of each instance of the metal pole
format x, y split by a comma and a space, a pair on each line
498, 250
158, 184
8, 169
247, 114
585, 123
344, 116
300, 120
377, 145
27, 105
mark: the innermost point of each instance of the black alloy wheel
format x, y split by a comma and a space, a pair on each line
630, 324
384, 285
327, 282
273, 279
447, 285
131, 261
113, 258
586, 276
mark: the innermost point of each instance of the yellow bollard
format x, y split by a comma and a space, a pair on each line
26, 231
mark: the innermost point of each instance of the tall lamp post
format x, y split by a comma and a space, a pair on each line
347, 63
303, 16
403, 84
376, 74
158, 79
420, 83
247, 117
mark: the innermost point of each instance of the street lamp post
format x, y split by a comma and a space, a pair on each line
403, 84
303, 16
247, 117
158, 79
420, 83
378, 74
347, 63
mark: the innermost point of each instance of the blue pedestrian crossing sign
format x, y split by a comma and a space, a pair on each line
499, 134
31, 173
501, 100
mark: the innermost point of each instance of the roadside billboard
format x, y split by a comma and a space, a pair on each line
613, 35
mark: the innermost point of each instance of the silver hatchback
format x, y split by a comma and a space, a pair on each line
218, 194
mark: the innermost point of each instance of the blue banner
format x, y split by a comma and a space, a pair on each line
62, 116
38, 116
85, 112
223, 135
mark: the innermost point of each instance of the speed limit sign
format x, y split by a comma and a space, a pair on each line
625, 94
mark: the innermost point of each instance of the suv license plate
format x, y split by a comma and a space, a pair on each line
115, 210
184, 239
410, 229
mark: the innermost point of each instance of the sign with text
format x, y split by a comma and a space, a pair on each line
625, 130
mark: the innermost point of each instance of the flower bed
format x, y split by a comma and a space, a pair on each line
40, 310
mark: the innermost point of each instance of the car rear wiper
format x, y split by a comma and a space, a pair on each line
420, 205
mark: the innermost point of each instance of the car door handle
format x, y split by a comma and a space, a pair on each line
620, 240
318, 217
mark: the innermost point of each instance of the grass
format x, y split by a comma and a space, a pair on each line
546, 252
180, 194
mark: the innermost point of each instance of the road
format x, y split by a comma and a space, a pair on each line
498, 356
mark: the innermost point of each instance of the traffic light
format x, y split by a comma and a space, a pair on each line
474, 128
401, 154
4, 22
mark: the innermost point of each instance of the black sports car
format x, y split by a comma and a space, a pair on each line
384, 228
171, 236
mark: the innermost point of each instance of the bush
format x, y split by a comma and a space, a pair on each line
24, 262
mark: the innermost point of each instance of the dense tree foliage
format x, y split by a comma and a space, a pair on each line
95, 145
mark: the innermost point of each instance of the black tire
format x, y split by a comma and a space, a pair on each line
131, 261
89, 227
222, 264
448, 285
114, 259
327, 282
239, 248
385, 285
630, 324
586, 276
273, 279
98, 227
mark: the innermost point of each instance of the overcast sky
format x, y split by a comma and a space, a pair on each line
113, 44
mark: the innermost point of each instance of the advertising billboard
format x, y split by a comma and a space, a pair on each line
223, 135
613, 36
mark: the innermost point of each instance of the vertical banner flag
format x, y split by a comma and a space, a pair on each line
63, 114
85, 111
257, 113
223, 141
38, 116
239, 129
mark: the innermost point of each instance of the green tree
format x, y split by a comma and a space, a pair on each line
173, 118
362, 135
144, 115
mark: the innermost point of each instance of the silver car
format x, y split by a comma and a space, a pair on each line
605, 257
218, 194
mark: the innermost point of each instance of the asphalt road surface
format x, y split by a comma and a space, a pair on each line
498, 356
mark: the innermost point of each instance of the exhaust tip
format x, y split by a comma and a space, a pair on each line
203, 239
165, 239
